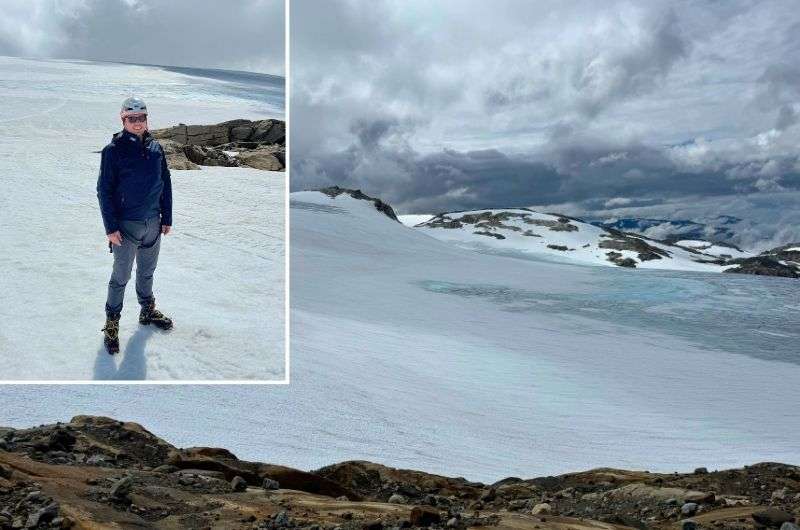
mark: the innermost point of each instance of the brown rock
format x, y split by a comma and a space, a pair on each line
239, 484
241, 133
180, 162
270, 132
773, 517
264, 159
423, 516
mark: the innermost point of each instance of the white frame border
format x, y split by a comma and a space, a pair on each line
287, 251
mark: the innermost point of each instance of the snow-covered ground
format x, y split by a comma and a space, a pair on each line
714, 249
416, 353
220, 273
558, 238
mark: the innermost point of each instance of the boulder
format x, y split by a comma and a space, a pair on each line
238, 484
688, 524
270, 132
264, 159
241, 133
195, 153
396, 498
700, 497
423, 516
640, 491
43, 515
270, 484
121, 489
772, 517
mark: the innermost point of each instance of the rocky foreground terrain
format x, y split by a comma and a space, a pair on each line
97, 472
258, 144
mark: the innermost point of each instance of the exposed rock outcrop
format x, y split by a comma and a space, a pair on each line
617, 240
335, 191
258, 144
97, 473
764, 265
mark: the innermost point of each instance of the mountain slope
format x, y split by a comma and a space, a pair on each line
458, 342
564, 238
526, 232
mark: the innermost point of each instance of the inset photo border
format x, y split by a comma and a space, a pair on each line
145, 214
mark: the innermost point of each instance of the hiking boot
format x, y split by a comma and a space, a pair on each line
150, 315
111, 333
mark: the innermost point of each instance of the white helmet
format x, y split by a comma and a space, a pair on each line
133, 105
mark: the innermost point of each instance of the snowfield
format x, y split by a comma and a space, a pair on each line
416, 353
221, 271
714, 249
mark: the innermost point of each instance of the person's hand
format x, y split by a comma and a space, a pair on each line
165, 229
115, 238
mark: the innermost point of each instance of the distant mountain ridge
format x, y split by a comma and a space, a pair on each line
528, 231
717, 230
565, 238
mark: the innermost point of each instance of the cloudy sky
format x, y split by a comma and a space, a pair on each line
235, 35
589, 108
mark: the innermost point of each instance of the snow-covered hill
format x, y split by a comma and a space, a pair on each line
221, 271
563, 238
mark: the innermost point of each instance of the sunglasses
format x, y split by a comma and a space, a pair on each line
136, 119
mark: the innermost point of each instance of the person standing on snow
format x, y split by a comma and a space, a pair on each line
135, 193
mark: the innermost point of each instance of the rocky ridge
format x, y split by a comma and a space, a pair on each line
258, 144
780, 261
620, 248
624, 249
385, 209
97, 472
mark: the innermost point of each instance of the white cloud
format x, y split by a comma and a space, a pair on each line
248, 34
617, 201
577, 103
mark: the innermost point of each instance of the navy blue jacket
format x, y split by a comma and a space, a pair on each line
134, 182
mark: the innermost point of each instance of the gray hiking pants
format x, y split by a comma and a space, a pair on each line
140, 240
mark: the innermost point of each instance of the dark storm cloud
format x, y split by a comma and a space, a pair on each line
585, 174
448, 105
239, 35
